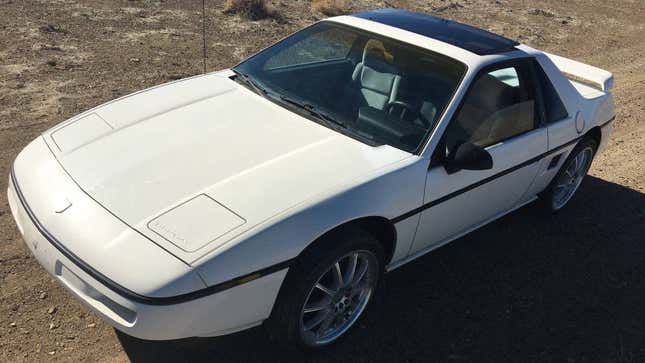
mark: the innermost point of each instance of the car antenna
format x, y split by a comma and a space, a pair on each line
204, 30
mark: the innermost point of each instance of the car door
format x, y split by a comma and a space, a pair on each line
500, 113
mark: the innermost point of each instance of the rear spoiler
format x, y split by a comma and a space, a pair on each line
584, 73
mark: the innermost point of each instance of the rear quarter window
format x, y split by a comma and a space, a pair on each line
553, 106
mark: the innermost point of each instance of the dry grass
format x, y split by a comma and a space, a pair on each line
252, 9
330, 7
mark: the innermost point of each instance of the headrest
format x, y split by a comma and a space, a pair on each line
375, 49
376, 57
490, 99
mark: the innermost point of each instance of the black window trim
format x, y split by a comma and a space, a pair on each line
539, 93
535, 67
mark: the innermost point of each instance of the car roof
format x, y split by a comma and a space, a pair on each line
470, 38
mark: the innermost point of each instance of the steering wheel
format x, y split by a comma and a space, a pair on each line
403, 110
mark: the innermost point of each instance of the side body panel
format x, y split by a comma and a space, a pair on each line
459, 213
586, 110
389, 194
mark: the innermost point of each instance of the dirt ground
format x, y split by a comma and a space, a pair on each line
527, 288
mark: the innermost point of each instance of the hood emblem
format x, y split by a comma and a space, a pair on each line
61, 205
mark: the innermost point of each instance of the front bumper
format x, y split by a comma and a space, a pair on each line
236, 308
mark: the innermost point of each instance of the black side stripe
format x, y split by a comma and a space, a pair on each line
133, 296
486, 180
129, 294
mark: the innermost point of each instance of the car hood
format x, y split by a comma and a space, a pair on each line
193, 163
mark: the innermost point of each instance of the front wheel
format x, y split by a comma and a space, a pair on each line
566, 182
327, 290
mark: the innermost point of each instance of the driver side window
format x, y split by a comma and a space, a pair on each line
499, 105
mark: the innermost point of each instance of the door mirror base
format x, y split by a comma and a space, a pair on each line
468, 156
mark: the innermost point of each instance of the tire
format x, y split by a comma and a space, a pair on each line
337, 307
568, 179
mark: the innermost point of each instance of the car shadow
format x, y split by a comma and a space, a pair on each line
528, 287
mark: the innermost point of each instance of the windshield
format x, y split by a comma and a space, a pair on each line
376, 89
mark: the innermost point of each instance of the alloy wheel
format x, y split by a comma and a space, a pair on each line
338, 298
571, 178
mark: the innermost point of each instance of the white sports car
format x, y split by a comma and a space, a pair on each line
280, 190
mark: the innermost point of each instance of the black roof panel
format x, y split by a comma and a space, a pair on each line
464, 36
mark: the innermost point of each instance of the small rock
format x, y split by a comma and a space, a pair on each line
13, 325
53, 47
51, 63
135, 60
451, 6
43, 295
52, 352
52, 28
51, 310
52, 326
92, 325
541, 12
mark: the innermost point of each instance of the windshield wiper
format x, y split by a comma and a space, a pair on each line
311, 109
251, 82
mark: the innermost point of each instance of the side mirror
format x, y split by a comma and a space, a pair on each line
468, 156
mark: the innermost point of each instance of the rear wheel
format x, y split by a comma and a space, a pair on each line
568, 180
327, 291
